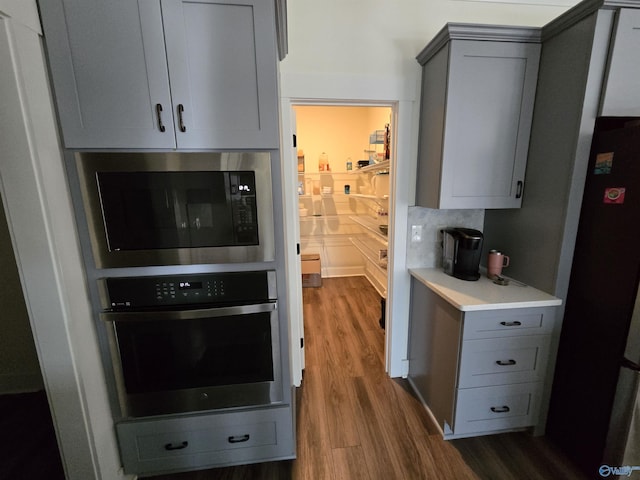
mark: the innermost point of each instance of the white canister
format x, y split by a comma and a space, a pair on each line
380, 185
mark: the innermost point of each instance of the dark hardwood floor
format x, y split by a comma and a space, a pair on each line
28, 446
354, 422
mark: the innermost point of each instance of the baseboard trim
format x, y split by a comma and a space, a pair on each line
355, 271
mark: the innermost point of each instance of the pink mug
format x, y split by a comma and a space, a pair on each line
497, 261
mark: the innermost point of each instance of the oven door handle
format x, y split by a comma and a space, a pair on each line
189, 314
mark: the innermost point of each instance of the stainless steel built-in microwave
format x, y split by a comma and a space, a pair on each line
147, 209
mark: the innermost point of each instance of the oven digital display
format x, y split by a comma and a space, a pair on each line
190, 285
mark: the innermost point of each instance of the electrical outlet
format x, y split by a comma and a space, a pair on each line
416, 233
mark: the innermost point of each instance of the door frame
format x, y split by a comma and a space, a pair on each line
312, 90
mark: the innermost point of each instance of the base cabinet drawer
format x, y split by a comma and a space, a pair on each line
177, 443
497, 361
192, 442
497, 408
508, 322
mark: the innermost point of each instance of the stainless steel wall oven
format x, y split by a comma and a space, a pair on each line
187, 343
146, 209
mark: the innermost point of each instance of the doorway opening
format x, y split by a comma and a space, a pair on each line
345, 154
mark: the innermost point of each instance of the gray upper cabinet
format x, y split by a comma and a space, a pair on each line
164, 73
478, 91
623, 74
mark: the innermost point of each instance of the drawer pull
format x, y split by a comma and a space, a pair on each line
503, 409
506, 363
179, 446
238, 439
511, 324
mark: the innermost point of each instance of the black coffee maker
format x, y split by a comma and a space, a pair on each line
461, 250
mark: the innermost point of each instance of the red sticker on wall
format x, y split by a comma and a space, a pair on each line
614, 195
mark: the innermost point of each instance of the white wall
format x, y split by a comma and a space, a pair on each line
340, 131
381, 37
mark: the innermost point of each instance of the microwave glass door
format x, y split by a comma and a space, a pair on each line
155, 210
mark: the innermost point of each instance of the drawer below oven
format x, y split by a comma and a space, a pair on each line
487, 409
209, 440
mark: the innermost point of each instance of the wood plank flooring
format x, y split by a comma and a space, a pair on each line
354, 422
28, 446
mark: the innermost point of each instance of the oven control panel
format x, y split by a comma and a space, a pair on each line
132, 293
189, 289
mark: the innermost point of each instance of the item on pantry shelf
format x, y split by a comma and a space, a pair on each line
347, 189
323, 163
373, 156
349, 164
383, 217
363, 163
382, 258
380, 184
300, 161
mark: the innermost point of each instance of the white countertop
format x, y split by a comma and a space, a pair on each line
482, 294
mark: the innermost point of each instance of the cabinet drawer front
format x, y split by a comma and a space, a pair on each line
497, 408
179, 443
209, 440
499, 361
509, 322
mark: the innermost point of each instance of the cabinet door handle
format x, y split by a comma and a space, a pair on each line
238, 438
506, 363
503, 409
183, 128
176, 446
519, 186
511, 324
159, 115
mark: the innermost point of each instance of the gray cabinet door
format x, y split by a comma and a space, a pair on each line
222, 66
109, 72
620, 95
164, 73
489, 109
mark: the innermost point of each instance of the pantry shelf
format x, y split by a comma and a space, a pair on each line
375, 272
371, 226
384, 165
380, 201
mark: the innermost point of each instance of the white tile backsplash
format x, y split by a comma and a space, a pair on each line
427, 253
